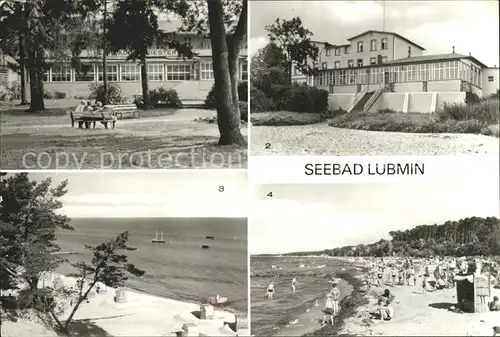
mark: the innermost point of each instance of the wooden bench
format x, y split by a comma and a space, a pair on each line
87, 119
125, 109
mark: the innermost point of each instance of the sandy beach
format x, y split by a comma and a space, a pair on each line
139, 315
421, 315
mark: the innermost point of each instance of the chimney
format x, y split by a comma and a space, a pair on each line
453, 49
409, 51
470, 54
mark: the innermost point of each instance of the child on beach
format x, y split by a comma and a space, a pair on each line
270, 291
329, 309
294, 284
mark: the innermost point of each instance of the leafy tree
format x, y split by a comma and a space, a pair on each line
108, 266
134, 27
28, 223
295, 42
12, 37
269, 70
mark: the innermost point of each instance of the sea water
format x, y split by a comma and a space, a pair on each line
178, 269
282, 315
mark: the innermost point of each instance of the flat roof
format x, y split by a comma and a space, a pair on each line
438, 57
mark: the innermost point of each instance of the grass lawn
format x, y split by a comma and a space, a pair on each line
412, 122
163, 138
284, 118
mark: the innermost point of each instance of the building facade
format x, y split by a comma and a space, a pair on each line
192, 78
387, 63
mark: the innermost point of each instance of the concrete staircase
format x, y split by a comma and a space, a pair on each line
372, 99
361, 103
355, 100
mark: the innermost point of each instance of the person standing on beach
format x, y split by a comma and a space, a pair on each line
270, 291
329, 309
335, 297
379, 278
294, 284
368, 280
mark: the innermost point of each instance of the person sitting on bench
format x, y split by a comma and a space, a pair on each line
80, 108
88, 107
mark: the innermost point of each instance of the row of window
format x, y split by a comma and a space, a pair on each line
409, 73
350, 63
131, 72
347, 49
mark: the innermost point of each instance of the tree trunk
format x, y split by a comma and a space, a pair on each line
35, 66
233, 62
228, 119
22, 65
144, 82
105, 55
234, 47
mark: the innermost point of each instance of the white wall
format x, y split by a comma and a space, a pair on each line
449, 98
389, 100
336, 101
417, 101
420, 102
490, 87
408, 87
443, 86
401, 49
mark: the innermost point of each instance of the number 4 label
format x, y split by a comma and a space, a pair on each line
270, 194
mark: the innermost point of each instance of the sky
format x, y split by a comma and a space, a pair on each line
470, 26
317, 217
152, 194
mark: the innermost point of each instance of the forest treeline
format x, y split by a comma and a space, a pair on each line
466, 237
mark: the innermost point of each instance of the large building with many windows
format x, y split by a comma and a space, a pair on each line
192, 78
379, 69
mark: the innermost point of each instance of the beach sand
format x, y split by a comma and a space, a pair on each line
416, 314
140, 315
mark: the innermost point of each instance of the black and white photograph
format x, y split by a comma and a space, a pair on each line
109, 84
377, 78
85, 254
375, 259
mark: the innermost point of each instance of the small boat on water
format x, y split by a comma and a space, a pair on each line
210, 237
205, 246
158, 240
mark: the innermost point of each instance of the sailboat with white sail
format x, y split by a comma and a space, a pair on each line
158, 239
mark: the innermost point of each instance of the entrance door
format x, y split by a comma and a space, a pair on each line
386, 78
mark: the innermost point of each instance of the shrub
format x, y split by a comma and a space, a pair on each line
48, 95
4, 93
486, 111
307, 99
243, 91
15, 90
335, 113
115, 95
59, 95
286, 118
386, 111
471, 98
242, 95
163, 97
259, 102
243, 111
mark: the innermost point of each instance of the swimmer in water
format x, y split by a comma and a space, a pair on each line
294, 283
270, 291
